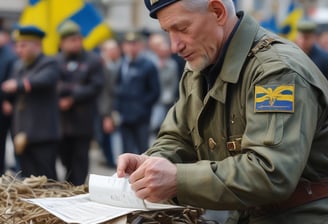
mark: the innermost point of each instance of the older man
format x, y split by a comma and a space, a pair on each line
249, 131
35, 107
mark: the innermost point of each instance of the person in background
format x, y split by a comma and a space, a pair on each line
249, 132
81, 80
322, 37
7, 59
34, 108
179, 61
168, 76
111, 55
306, 39
137, 90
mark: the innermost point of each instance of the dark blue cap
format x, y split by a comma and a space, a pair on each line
155, 5
28, 32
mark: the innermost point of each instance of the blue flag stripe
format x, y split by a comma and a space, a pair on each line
88, 18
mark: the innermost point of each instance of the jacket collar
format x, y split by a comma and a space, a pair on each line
238, 49
235, 57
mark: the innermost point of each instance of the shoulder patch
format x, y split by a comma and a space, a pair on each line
274, 98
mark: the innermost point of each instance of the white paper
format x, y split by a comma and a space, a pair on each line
108, 198
113, 191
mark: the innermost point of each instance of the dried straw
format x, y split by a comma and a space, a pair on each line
13, 210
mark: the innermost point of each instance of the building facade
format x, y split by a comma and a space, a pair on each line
123, 15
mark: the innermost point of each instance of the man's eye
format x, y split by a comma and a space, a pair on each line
183, 29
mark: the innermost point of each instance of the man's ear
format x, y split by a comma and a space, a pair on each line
219, 9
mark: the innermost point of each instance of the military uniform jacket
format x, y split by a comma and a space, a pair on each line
36, 112
137, 91
6, 63
106, 98
320, 58
7, 59
81, 77
233, 155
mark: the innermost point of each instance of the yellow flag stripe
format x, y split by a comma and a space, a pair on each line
272, 95
97, 35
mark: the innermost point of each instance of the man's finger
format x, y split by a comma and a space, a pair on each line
138, 174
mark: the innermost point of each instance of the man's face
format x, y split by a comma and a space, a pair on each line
4, 38
132, 49
323, 40
305, 41
72, 44
194, 35
111, 52
27, 49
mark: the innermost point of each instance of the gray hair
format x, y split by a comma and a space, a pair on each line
202, 6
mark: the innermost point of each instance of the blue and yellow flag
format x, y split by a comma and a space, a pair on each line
274, 98
289, 25
92, 27
49, 14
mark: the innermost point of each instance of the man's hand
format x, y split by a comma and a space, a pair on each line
65, 103
9, 86
155, 180
127, 163
152, 178
7, 108
108, 125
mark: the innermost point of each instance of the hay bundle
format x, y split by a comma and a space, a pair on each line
15, 211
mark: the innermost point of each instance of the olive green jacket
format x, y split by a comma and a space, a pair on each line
229, 156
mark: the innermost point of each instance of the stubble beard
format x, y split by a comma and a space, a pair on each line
199, 64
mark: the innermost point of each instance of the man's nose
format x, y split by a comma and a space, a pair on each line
176, 43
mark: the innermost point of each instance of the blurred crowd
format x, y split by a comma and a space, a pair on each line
54, 107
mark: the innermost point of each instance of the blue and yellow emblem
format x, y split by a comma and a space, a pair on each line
274, 98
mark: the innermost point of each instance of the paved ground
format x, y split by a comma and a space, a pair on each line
97, 160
